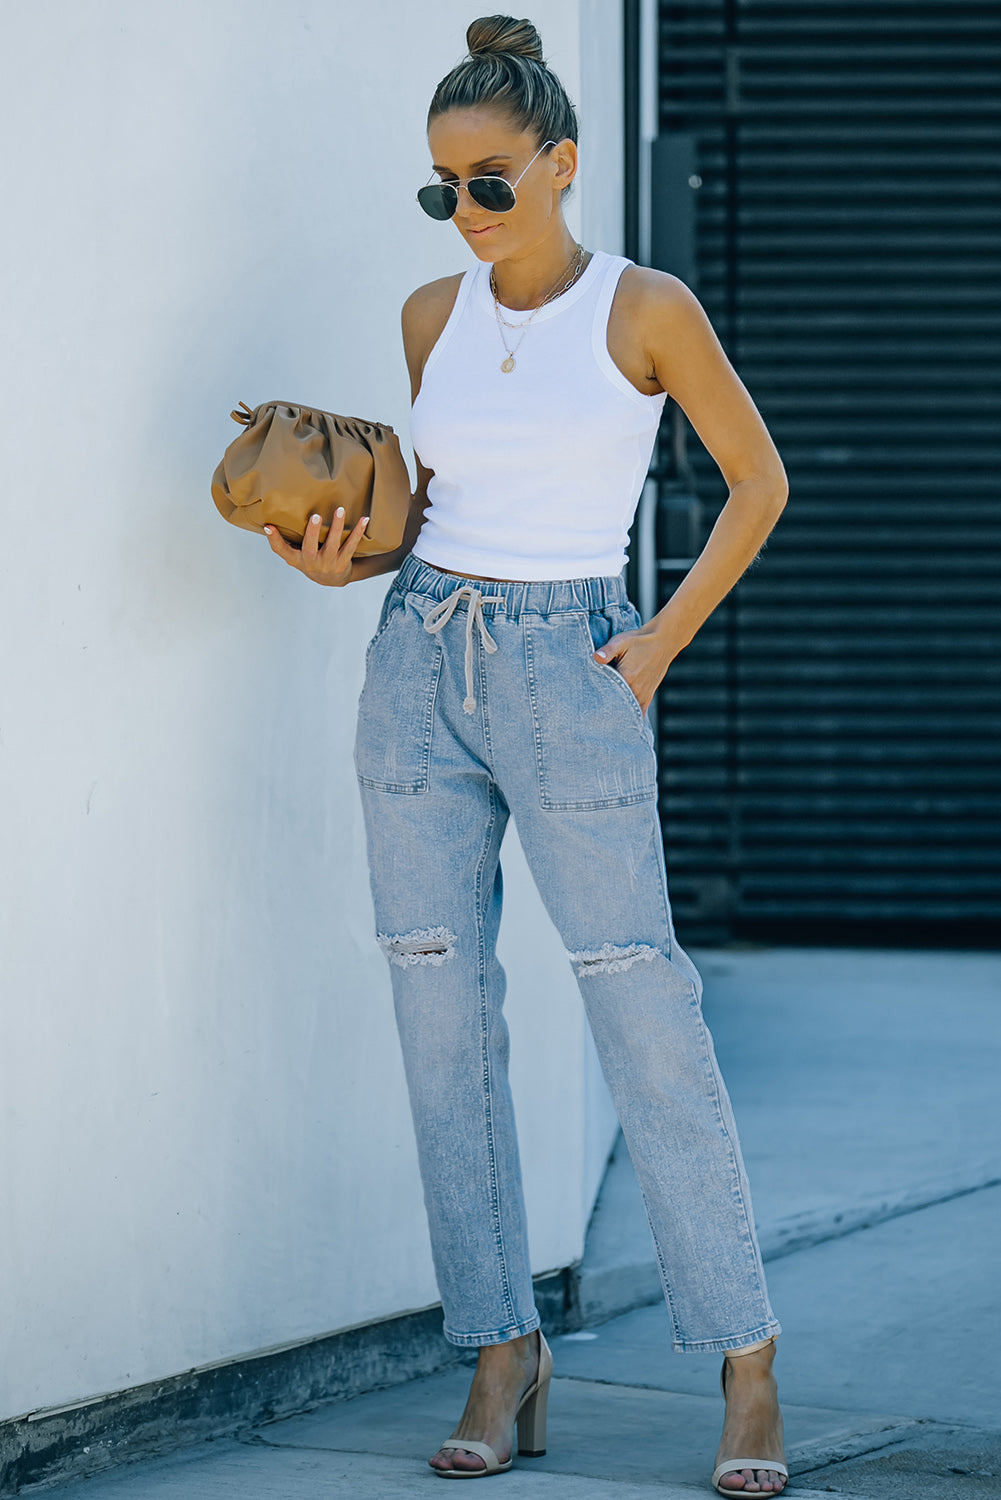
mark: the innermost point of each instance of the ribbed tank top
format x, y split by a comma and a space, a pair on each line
537, 473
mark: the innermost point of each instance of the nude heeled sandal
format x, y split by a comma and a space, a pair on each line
531, 1422
734, 1465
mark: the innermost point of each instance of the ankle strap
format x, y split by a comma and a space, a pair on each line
749, 1348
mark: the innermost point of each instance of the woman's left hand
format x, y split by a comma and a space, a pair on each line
641, 657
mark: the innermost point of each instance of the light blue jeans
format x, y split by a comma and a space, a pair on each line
482, 701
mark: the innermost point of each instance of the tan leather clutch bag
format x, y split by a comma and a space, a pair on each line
291, 462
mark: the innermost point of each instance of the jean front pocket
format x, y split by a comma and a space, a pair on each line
593, 744
396, 707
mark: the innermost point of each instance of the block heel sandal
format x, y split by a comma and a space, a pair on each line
734, 1465
530, 1420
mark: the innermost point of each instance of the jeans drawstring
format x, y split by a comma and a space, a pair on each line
443, 611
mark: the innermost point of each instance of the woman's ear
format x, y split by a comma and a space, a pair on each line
564, 155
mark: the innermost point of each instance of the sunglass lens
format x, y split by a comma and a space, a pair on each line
492, 193
438, 199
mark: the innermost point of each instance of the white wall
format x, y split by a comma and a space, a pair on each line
205, 1144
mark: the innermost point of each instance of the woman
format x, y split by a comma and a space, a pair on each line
508, 675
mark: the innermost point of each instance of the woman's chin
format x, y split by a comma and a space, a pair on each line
483, 245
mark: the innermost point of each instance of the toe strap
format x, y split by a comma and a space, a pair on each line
482, 1450
734, 1465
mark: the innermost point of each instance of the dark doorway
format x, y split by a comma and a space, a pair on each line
828, 179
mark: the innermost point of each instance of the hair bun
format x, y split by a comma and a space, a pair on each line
492, 34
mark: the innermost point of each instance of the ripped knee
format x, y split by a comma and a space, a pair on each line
425, 945
609, 959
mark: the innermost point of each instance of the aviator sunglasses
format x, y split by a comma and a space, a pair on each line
495, 194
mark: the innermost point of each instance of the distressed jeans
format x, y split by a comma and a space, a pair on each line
482, 701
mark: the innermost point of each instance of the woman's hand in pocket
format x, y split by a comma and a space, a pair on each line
641, 659
330, 564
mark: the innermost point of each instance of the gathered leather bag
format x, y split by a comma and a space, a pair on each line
291, 462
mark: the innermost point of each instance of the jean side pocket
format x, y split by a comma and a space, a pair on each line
393, 601
601, 626
593, 750
396, 707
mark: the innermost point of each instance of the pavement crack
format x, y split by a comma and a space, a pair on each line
806, 1458
256, 1441
627, 1385
806, 1230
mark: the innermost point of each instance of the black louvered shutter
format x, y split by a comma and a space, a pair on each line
828, 176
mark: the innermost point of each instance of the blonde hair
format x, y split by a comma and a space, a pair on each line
506, 69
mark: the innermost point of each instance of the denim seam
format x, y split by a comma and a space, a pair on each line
485, 1046
398, 788
432, 699
661, 879
748, 1234
626, 800
660, 875
536, 731
662, 1268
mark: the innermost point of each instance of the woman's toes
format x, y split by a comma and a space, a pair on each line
457, 1458
753, 1481
468, 1461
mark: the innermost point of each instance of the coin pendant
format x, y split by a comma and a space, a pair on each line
508, 364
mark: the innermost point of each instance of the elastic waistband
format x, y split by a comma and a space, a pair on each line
556, 596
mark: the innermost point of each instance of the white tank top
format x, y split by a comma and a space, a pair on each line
537, 473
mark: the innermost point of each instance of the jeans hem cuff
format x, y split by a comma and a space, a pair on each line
720, 1346
502, 1336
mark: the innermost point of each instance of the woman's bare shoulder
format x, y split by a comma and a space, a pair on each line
661, 316
645, 291
425, 313
430, 305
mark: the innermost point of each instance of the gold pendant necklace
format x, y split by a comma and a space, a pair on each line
563, 284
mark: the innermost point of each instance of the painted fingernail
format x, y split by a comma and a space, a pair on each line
600, 655
316, 520
267, 531
339, 511
364, 520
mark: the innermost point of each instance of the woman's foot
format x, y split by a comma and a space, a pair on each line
504, 1373
753, 1424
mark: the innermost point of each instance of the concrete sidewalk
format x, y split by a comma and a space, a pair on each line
866, 1090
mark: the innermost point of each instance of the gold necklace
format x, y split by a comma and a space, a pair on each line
563, 284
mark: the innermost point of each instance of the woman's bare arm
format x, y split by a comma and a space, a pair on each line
686, 359
424, 315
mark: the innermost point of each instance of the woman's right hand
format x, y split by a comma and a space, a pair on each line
330, 564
